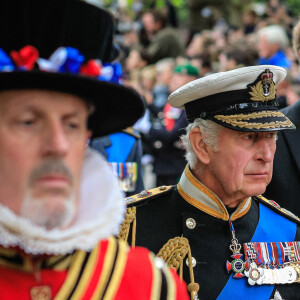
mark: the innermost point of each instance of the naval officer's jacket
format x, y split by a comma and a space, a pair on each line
188, 226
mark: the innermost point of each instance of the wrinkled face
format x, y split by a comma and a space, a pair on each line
43, 137
265, 48
243, 165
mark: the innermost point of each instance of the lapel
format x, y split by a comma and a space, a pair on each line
292, 137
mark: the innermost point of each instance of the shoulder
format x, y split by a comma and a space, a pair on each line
132, 132
277, 208
148, 195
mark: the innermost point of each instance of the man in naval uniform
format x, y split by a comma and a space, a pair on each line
213, 226
60, 204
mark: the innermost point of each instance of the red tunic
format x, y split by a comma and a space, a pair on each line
110, 271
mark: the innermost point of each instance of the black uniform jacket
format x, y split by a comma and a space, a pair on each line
285, 185
194, 212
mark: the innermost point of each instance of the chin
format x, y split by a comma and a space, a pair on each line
50, 212
257, 190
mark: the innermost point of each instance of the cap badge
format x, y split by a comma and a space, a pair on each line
264, 88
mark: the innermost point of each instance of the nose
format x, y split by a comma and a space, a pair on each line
56, 143
266, 150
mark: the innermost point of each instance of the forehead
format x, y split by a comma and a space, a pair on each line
148, 18
41, 100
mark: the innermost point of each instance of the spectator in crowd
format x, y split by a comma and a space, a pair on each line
203, 15
200, 44
272, 42
235, 57
164, 72
250, 20
164, 139
285, 185
164, 41
60, 205
135, 61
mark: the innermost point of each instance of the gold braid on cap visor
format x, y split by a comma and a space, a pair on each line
240, 120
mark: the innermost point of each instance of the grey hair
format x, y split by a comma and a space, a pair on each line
164, 63
275, 34
210, 133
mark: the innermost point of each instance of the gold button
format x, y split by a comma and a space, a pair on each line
193, 262
190, 223
40, 293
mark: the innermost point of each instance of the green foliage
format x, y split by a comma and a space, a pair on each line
294, 6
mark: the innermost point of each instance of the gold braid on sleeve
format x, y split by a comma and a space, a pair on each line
174, 252
125, 227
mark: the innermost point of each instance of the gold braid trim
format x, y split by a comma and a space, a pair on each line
236, 120
254, 115
174, 252
125, 227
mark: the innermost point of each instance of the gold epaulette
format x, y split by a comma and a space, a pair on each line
130, 217
146, 195
275, 206
132, 132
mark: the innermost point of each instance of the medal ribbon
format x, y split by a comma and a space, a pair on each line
271, 227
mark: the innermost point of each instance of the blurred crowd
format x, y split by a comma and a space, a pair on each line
159, 54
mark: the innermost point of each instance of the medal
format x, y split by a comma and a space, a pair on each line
237, 265
272, 263
126, 174
254, 274
265, 263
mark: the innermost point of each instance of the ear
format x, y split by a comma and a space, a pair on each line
88, 134
201, 149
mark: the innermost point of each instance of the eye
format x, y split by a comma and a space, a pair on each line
72, 125
250, 136
272, 135
27, 122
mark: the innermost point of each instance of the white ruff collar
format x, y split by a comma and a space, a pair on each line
101, 212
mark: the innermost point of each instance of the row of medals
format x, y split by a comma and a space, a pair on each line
286, 274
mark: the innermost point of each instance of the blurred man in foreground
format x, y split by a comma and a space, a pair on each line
59, 202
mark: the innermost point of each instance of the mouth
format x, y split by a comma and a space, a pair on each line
53, 180
258, 175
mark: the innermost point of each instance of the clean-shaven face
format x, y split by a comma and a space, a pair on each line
243, 165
